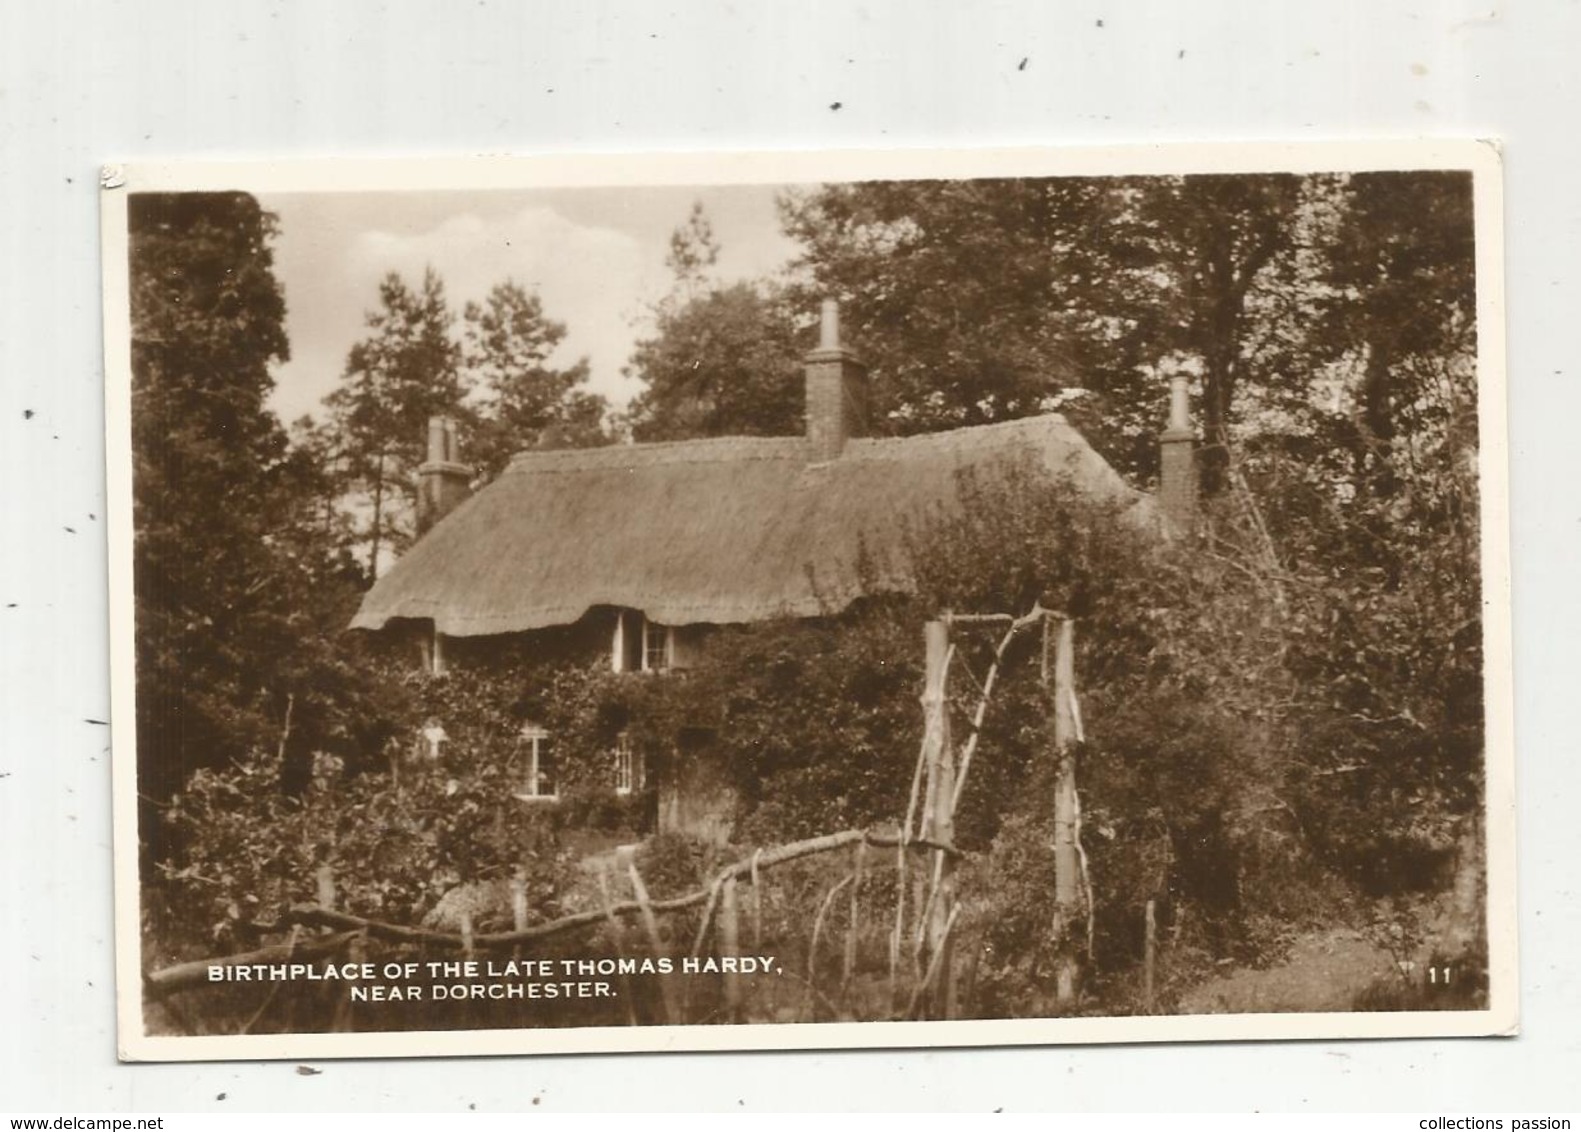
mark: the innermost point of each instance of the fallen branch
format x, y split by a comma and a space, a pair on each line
933, 966
184, 975
312, 915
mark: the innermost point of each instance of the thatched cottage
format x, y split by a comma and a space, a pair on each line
640, 549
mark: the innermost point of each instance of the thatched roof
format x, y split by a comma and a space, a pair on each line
717, 531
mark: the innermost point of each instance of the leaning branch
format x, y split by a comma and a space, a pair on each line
1037, 614
313, 915
184, 975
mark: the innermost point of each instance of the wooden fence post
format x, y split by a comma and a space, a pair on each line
1066, 864
324, 885
519, 900
730, 944
1149, 955
939, 826
672, 1012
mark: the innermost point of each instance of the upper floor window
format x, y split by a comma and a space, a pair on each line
641, 645
431, 645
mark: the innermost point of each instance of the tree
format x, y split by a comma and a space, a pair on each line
1402, 271
531, 404
1211, 246
406, 371
694, 251
960, 295
985, 300
723, 364
723, 360
228, 575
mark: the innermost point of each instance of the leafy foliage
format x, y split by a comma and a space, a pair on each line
985, 300
722, 364
233, 583
1283, 714
530, 403
406, 371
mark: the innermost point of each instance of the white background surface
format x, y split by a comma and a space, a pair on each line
83, 83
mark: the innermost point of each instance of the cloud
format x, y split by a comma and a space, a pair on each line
595, 257
596, 280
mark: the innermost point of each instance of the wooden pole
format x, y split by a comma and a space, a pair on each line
939, 824
1149, 955
1066, 864
854, 925
356, 952
519, 901
672, 1013
324, 885
730, 944
617, 935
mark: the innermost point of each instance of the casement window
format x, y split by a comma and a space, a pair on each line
538, 781
628, 766
658, 646
641, 645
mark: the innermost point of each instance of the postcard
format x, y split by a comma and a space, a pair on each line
808, 600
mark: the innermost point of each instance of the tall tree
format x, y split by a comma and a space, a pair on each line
226, 571
725, 363
694, 252
722, 359
529, 403
1210, 245
977, 301
984, 300
1403, 302
407, 370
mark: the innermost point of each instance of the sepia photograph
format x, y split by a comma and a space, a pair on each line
932, 598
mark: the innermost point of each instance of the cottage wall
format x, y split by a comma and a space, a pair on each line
695, 796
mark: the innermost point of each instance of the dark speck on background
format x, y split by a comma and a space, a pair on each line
307, 1071
27, 414
1021, 66
835, 105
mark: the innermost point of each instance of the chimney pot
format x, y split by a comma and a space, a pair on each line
1177, 465
442, 481
836, 390
436, 440
829, 326
1179, 406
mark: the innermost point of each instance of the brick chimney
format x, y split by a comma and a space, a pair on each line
1177, 467
443, 481
836, 390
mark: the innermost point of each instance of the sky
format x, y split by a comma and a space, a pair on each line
595, 257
